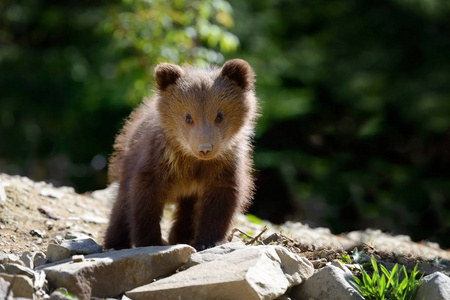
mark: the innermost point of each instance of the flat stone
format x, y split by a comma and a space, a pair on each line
71, 235
272, 238
9, 258
22, 286
78, 258
67, 248
258, 272
435, 286
15, 269
4, 285
112, 273
57, 252
213, 253
330, 282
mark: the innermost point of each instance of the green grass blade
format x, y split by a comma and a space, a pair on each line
382, 287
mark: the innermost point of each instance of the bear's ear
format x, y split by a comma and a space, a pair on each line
167, 74
240, 72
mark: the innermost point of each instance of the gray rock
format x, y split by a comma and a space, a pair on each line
435, 286
39, 279
39, 259
78, 258
27, 259
213, 253
57, 252
68, 248
112, 273
47, 212
341, 266
93, 218
71, 235
330, 282
258, 272
4, 286
15, 269
272, 238
21, 285
37, 232
109, 193
9, 258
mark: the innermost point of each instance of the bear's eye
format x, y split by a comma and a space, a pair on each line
189, 119
219, 117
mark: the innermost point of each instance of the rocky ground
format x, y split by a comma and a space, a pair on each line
42, 223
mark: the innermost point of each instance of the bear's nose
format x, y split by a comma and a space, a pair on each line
205, 149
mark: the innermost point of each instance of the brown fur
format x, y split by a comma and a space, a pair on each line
203, 166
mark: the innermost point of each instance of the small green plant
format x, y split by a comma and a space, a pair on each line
355, 257
346, 259
67, 294
387, 285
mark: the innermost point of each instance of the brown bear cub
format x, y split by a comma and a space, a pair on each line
189, 145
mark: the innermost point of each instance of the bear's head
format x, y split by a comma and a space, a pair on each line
207, 111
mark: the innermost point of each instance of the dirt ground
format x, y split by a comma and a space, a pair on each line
33, 214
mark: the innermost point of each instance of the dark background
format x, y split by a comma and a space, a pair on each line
355, 94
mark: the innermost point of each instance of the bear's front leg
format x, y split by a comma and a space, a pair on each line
214, 213
147, 204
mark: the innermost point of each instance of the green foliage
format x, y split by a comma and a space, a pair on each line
346, 259
176, 31
254, 219
67, 294
357, 256
387, 285
71, 71
356, 116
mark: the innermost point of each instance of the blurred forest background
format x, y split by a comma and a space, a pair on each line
355, 130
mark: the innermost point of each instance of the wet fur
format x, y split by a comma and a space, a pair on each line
154, 158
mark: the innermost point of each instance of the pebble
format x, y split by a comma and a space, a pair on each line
78, 258
38, 233
48, 212
49, 225
9, 258
27, 259
39, 259
52, 193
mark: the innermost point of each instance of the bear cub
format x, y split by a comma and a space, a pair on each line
189, 145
